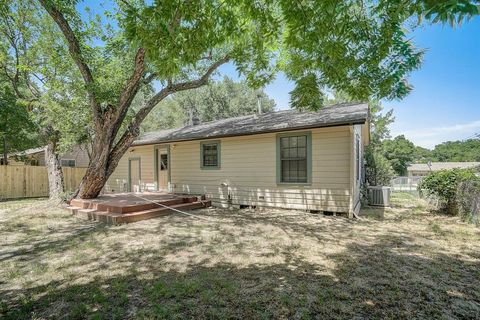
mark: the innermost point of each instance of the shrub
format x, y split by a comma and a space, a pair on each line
444, 184
468, 199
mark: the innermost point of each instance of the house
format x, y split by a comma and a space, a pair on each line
287, 159
423, 169
77, 157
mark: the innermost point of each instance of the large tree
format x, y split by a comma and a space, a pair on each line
47, 89
21, 48
359, 47
400, 152
215, 101
17, 130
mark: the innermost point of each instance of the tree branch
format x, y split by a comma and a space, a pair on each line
75, 53
134, 128
130, 90
133, 83
180, 86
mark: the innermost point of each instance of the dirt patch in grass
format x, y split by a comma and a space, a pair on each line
401, 262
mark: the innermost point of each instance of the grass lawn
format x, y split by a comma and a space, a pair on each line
402, 262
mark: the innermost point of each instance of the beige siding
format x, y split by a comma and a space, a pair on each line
79, 155
40, 159
248, 172
13, 162
118, 181
248, 169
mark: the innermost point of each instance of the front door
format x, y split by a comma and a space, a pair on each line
163, 163
134, 175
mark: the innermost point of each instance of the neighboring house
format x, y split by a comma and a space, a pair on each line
288, 159
423, 169
77, 157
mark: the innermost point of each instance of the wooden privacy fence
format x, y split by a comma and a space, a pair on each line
32, 181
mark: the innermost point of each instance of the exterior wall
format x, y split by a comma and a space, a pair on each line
78, 154
357, 170
39, 157
118, 181
13, 162
248, 174
418, 173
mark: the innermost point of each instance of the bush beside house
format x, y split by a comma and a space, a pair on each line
457, 190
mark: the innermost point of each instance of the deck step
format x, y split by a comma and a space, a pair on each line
159, 211
118, 218
123, 207
73, 209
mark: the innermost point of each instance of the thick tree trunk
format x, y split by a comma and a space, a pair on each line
96, 175
103, 161
54, 170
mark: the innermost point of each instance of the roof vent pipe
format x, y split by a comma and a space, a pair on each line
259, 103
195, 120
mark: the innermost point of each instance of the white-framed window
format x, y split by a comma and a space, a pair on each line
293, 159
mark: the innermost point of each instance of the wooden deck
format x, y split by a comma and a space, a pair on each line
132, 207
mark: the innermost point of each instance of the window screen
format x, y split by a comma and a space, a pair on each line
210, 155
293, 159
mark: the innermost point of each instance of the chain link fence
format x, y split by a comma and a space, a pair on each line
408, 184
468, 201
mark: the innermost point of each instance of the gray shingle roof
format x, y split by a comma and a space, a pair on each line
339, 114
442, 165
28, 151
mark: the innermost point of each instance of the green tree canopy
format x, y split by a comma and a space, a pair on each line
379, 170
400, 152
17, 130
468, 150
218, 100
33, 66
422, 155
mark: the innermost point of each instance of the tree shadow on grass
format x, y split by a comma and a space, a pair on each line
379, 280
64, 239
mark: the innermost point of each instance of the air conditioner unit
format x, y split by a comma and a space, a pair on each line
379, 196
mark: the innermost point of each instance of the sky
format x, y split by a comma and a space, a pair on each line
444, 103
